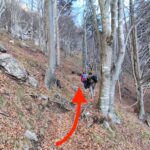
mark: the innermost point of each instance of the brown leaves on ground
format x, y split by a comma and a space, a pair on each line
51, 124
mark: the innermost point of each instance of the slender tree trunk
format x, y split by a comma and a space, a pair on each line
2, 7
85, 50
32, 32
95, 21
116, 69
106, 57
98, 35
58, 41
110, 70
95, 56
140, 95
51, 41
136, 63
83, 54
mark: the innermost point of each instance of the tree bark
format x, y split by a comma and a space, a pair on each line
106, 57
2, 7
84, 54
58, 40
136, 63
51, 42
118, 64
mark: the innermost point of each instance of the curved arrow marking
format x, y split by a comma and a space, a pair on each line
78, 99
73, 127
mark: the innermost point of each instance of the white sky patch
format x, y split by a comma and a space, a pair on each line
78, 11
79, 2
25, 7
126, 2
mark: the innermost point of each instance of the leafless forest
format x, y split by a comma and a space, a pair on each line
46, 45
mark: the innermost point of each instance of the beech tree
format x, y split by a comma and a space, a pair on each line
139, 46
2, 7
90, 38
50, 16
110, 68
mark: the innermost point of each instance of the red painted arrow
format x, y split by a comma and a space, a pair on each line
79, 99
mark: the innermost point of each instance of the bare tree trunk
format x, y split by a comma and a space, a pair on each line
95, 20
106, 54
97, 34
110, 69
51, 41
2, 7
106, 57
141, 98
46, 15
116, 69
85, 50
58, 41
136, 63
32, 32
40, 22
84, 54
94, 56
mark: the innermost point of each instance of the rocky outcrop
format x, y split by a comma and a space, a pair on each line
32, 142
43, 97
32, 81
64, 103
12, 67
31, 135
2, 48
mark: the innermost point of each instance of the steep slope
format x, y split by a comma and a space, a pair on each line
21, 110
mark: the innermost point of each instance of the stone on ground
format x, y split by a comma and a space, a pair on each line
12, 67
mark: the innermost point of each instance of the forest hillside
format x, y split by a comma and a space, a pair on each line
32, 117
74, 74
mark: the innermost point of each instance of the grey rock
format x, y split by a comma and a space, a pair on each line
39, 148
32, 81
12, 66
24, 45
2, 48
75, 88
31, 135
12, 42
25, 37
52, 147
63, 102
26, 147
43, 97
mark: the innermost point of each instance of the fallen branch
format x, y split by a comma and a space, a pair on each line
4, 114
131, 105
